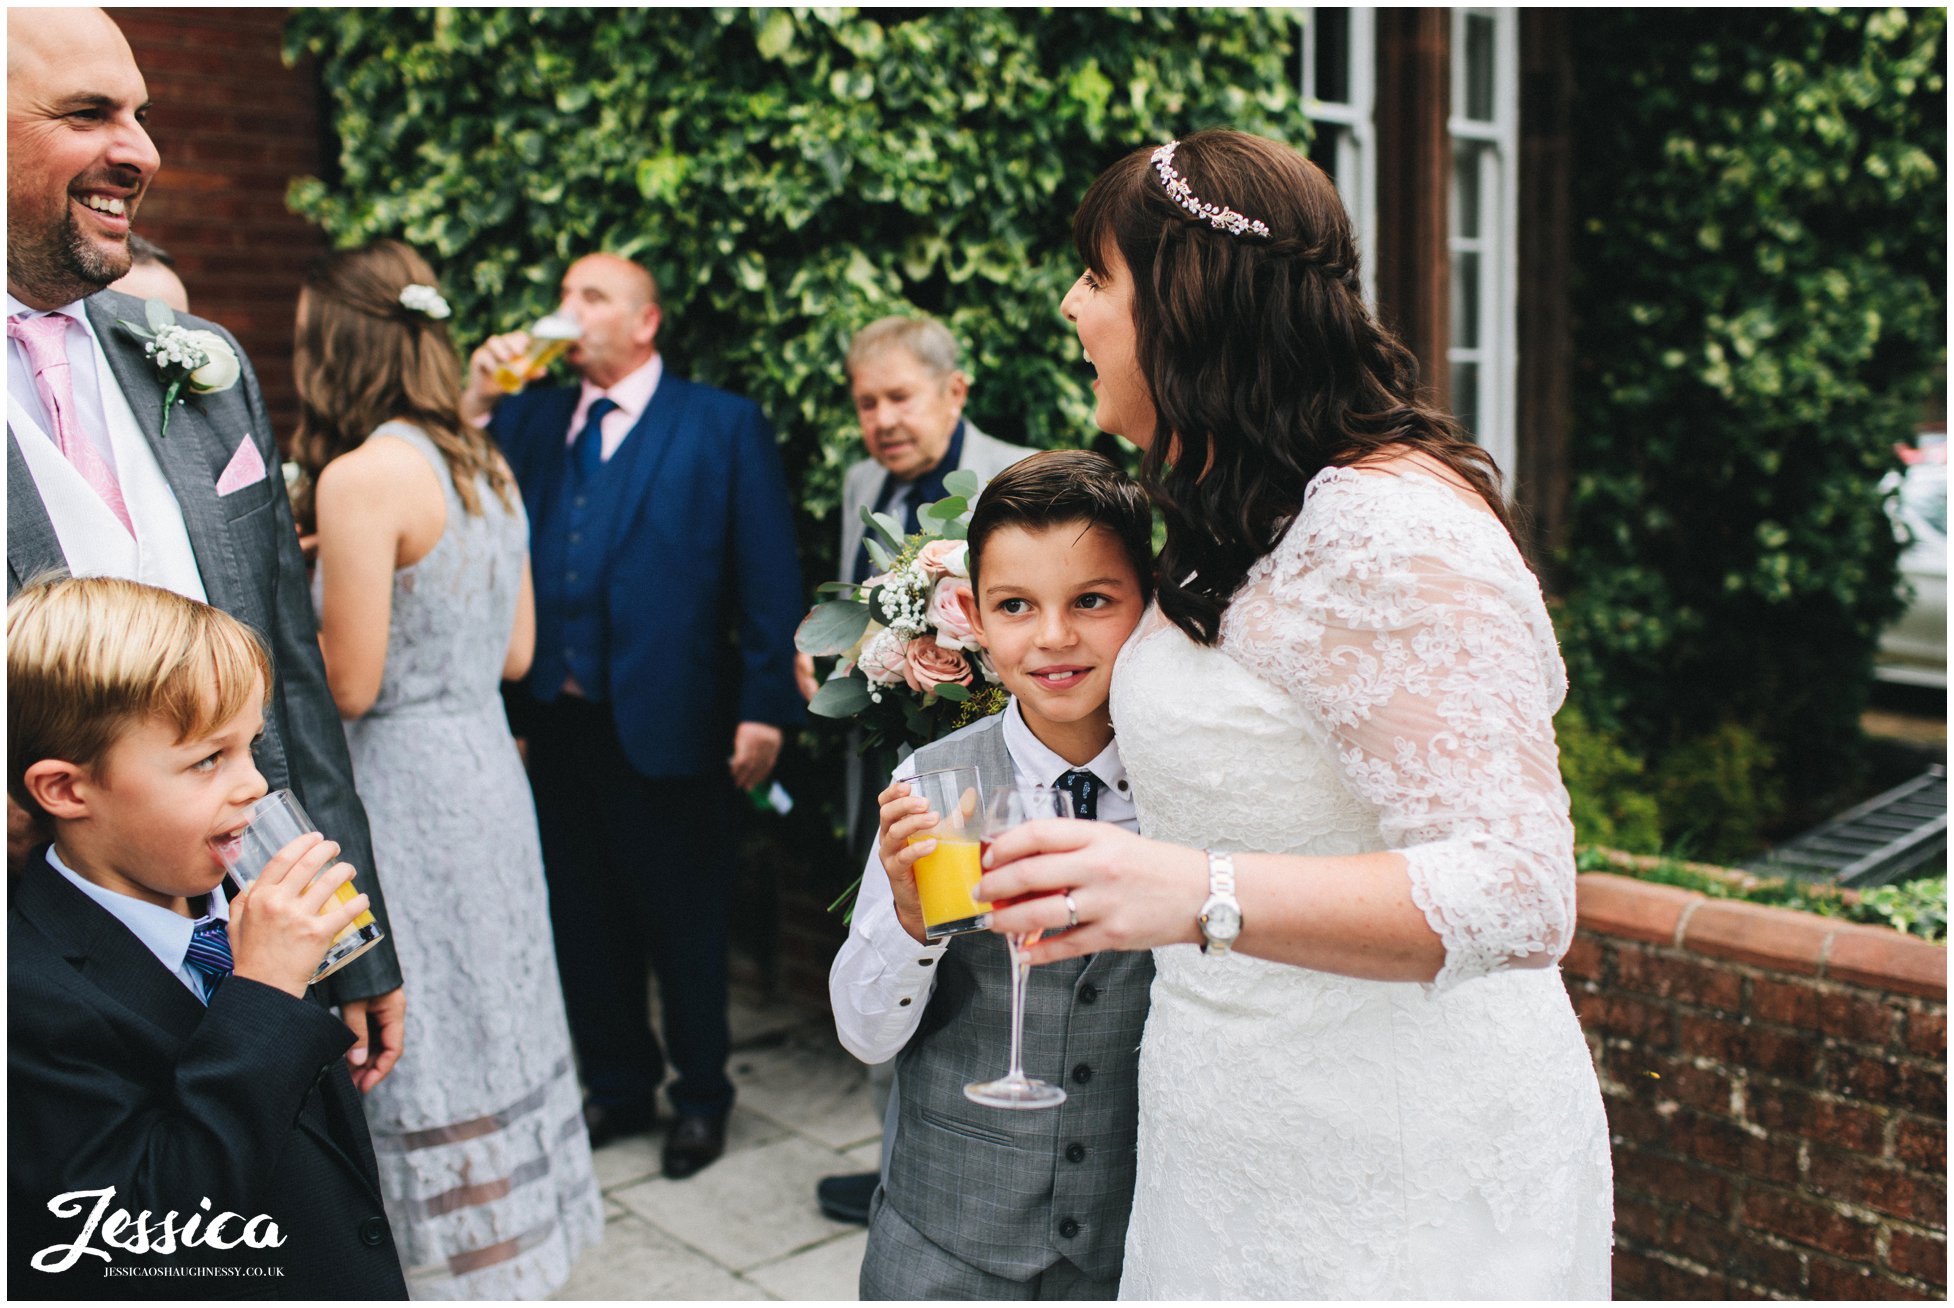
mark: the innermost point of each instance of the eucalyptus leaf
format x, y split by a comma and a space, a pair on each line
954, 693
963, 484
158, 315
881, 558
943, 511
832, 628
840, 697
887, 527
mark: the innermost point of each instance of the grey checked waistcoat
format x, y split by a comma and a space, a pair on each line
1011, 1191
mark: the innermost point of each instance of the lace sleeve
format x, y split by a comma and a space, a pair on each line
1414, 638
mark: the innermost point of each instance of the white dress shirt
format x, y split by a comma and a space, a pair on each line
92, 540
632, 395
164, 933
881, 980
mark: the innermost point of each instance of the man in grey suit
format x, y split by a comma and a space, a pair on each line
94, 483
909, 395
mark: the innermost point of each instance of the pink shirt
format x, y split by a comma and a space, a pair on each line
632, 394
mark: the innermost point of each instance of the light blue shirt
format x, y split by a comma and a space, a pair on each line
164, 933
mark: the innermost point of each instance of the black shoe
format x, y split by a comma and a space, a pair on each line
608, 1122
845, 1198
695, 1141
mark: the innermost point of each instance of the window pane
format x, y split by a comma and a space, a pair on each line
1479, 67
1324, 149
1465, 192
1465, 300
1332, 56
1465, 395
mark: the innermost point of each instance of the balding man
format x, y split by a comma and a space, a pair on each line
659, 521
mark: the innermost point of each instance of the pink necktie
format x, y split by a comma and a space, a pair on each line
47, 353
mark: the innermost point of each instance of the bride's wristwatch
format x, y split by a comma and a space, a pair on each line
1221, 916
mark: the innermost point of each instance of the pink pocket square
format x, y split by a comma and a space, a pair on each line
246, 468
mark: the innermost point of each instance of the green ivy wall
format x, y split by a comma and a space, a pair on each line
1762, 199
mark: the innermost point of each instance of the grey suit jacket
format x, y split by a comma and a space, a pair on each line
248, 552
984, 455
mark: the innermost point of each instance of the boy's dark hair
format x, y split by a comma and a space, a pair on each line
1059, 486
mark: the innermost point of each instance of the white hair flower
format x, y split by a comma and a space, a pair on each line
424, 299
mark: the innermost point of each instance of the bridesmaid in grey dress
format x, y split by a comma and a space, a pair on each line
425, 606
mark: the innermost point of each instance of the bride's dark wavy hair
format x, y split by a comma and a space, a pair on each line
1264, 364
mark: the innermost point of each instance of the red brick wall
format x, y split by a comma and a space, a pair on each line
1776, 1086
233, 125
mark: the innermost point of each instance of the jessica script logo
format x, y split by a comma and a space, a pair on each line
140, 1234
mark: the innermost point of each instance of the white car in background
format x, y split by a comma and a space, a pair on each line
1913, 650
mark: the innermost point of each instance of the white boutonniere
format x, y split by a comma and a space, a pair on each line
200, 362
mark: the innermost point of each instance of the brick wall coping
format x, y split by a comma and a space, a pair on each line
1762, 935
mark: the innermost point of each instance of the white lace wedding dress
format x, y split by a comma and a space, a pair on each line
1386, 679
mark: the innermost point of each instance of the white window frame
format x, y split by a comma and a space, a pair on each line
1356, 171
1498, 245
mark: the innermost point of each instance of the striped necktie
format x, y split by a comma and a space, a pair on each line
210, 954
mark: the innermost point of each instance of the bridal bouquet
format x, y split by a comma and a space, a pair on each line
910, 669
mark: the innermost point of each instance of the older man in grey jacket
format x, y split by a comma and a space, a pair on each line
909, 394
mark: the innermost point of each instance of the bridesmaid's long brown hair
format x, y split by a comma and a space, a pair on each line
363, 358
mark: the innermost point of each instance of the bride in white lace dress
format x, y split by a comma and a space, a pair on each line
1347, 692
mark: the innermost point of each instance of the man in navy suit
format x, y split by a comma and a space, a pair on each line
659, 521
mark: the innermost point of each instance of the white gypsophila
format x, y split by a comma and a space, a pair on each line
424, 299
905, 602
882, 658
211, 364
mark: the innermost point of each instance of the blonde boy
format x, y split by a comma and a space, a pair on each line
179, 1106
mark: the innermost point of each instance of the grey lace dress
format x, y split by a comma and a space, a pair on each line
484, 1161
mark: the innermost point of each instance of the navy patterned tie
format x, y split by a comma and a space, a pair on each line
1084, 787
210, 954
587, 453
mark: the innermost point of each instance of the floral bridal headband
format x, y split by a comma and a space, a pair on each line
1181, 193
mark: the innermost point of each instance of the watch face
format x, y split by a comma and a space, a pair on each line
1223, 921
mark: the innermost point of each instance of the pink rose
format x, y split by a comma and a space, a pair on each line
930, 665
946, 614
942, 558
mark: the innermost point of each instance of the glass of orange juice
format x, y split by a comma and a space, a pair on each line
276, 821
947, 876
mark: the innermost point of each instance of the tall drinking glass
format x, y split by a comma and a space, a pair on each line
549, 337
947, 876
1020, 803
276, 821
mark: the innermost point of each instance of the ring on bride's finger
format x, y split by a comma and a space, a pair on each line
1072, 911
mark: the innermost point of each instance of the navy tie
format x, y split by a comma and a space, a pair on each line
1084, 787
210, 954
587, 452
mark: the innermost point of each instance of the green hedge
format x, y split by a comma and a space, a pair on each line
788, 174
1761, 294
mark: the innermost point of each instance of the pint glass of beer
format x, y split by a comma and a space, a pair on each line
549, 337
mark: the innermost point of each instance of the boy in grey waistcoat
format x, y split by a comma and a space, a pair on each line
987, 1203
